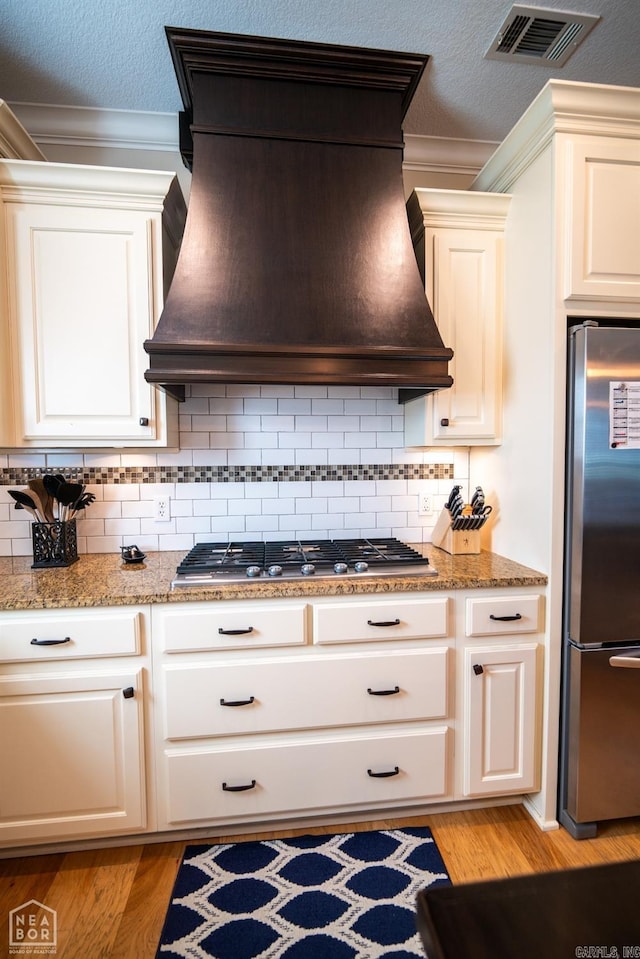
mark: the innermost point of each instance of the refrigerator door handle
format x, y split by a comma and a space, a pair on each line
626, 662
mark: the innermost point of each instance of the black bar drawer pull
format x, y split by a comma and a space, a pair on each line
384, 622
505, 619
385, 775
237, 702
242, 631
239, 789
50, 642
384, 692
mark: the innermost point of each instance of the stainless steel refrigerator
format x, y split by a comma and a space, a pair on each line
600, 743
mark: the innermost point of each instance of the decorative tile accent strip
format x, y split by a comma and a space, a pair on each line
233, 474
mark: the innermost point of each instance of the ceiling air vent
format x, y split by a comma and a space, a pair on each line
535, 35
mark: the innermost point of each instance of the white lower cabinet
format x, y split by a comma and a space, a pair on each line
320, 774
254, 711
500, 689
257, 731
72, 711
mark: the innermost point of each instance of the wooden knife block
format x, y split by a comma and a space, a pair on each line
457, 542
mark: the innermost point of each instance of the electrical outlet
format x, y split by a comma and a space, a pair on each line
425, 504
161, 509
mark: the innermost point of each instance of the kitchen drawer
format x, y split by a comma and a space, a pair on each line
506, 614
230, 626
305, 776
65, 635
298, 694
390, 619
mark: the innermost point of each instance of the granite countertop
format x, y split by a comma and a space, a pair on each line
101, 579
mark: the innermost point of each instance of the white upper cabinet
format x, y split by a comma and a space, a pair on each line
84, 248
459, 237
603, 219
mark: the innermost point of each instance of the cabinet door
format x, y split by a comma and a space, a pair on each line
71, 756
464, 279
603, 219
81, 306
500, 719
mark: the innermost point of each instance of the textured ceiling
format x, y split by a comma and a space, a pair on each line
113, 53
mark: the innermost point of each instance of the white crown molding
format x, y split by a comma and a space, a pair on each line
134, 129
74, 183
97, 127
446, 155
455, 209
15, 142
562, 106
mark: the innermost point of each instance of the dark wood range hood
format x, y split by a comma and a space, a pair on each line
296, 265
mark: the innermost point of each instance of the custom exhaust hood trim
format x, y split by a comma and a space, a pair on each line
297, 265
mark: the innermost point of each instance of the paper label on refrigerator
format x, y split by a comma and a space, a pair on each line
624, 414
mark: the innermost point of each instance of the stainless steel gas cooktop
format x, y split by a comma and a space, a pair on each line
209, 564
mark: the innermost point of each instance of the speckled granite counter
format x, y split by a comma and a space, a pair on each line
101, 579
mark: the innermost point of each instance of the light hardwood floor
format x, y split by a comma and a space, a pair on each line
111, 903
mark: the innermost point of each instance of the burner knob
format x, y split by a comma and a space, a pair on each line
340, 568
307, 569
275, 570
253, 570
361, 567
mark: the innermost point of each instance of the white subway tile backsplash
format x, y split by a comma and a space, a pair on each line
243, 457
261, 524
195, 404
211, 423
312, 457
209, 507
295, 441
315, 504
327, 407
275, 424
280, 507
209, 458
245, 507
278, 457
197, 441
277, 391
258, 440
295, 406
261, 406
343, 457
225, 441
314, 392
373, 424
244, 423
343, 423
208, 389
193, 524
312, 424
343, 504
242, 390
260, 453
327, 441
121, 527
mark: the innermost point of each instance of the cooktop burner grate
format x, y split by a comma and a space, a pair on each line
208, 563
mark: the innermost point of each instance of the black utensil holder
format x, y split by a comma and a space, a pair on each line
54, 544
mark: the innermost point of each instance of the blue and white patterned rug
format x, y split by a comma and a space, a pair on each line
346, 896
